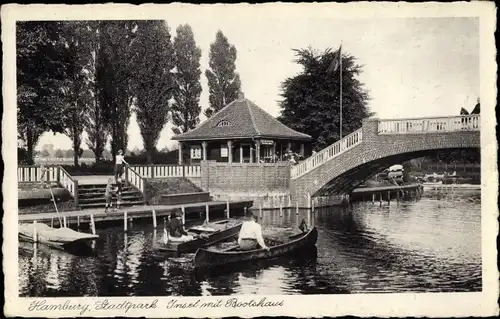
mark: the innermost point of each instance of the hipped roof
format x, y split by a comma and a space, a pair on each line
243, 119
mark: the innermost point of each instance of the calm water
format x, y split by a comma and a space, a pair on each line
430, 245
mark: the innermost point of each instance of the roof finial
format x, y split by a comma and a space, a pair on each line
241, 96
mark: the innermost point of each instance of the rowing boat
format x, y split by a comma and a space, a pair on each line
204, 235
55, 237
205, 258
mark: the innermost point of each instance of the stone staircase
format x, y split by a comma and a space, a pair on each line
93, 196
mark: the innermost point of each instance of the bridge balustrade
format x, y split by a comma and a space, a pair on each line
327, 154
430, 125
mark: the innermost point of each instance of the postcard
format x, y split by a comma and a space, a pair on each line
292, 159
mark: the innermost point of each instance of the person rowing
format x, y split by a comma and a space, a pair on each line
251, 234
175, 229
119, 161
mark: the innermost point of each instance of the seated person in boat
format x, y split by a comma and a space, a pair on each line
109, 194
251, 234
175, 229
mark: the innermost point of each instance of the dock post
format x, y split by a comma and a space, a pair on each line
207, 211
308, 200
389, 196
281, 210
78, 221
154, 219
397, 196
297, 208
125, 222
92, 223
312, 204
64, 222
183, 209
289, 200
52, 222
380, 198
227, 209
373, 198
34, 232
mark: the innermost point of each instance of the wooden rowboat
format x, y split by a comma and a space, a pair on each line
60, 238
210, 258
204, 235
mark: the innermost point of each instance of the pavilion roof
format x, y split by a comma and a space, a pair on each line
241, 119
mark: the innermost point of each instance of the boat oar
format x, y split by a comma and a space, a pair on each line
55, 205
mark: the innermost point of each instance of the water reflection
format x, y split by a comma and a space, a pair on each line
430, 245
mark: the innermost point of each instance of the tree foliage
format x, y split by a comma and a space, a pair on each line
223, 81
311, 99
186, 107
153, 82
42, 71
114, 77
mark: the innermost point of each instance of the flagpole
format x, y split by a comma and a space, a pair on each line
340, 58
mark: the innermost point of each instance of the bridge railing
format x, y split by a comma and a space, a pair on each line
327, 154
162, 171
430, 125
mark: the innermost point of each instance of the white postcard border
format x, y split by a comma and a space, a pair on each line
394, 304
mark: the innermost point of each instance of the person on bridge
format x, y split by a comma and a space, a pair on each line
119, 161
251, 234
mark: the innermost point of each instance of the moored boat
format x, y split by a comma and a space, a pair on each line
205, 258
204, 235
54, 237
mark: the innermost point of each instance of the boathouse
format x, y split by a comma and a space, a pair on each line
241, 132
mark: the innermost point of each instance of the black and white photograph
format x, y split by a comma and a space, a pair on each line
231, 156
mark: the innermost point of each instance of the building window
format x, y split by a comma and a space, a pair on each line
268, 152
224, 123
223, 151
196, 152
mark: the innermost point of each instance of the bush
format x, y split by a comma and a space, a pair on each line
158, 157
102, 168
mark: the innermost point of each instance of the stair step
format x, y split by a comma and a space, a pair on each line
102, 189
97, 194
131, 203
103, 199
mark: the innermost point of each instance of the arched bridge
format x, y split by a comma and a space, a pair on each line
342, 166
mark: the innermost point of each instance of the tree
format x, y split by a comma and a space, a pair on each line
41, 75
114, 74
223, 81
311, 99
153, 61
78, 92
186, 107
59, 153
44, 153
95, 116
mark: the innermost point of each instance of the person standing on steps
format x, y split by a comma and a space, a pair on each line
109, 194
118, 192
119, 161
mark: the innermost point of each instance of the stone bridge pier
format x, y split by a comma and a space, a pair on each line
342, 166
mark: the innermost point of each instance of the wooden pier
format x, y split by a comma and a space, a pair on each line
91, 216
385, 193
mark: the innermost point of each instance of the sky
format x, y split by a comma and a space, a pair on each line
412, 67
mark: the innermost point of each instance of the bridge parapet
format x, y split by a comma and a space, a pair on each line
430, 125
327, 154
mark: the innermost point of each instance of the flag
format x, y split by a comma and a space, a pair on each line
334, 66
